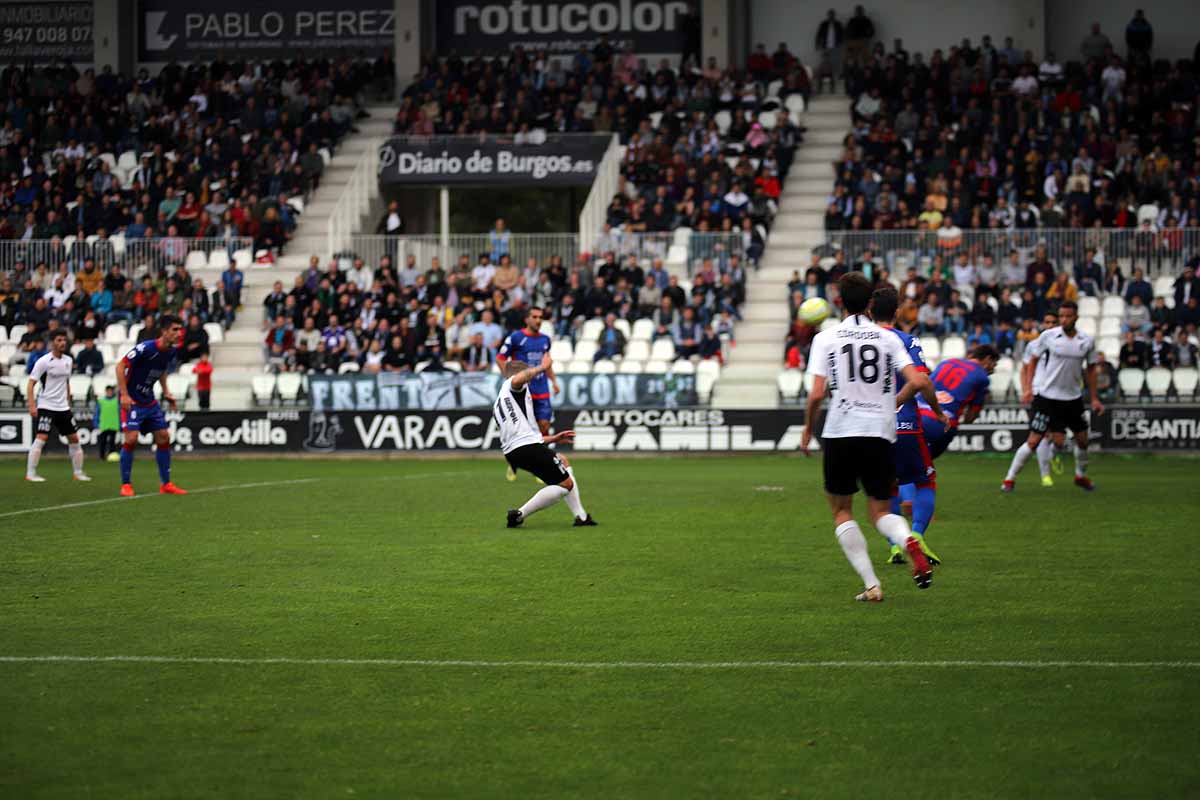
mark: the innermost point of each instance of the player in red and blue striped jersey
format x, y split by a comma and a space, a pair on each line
962, 386
146, 364
910, 453
528, 345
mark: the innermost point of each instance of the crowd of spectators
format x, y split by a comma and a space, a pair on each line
389, 318
1008, 304
987, 137
210, 150
697, 153
85, 303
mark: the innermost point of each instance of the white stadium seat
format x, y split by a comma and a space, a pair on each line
1164, 286
3, 334
1089, 325
683, 367
585, 350
547, 328
115, 333
243, 258
16, 332
578, 367
591, 329
1000, 383
263, 388
352, 366
623, 326
663, 350
1109, 326
704, 385
561, 350
790, 382
604, 366
954, 347
196, 259
288, 385
180, 385
709, 366
80, 386
1089, 306
218, 259
931, 348
643, 330
216, 334
1112, 307
637, 350
794, 104
1006, 364
131, 336
658, 367
1185, 379
1158, 381
1110, 346
1131, 381
100, 382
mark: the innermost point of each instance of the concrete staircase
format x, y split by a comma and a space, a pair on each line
748, 380
240, 356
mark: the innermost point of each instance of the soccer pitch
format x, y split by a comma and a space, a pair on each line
335, 628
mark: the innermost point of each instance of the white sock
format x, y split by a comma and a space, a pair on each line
573, 500
1019, 458
1045, 452
76, 451
35, 455
546, 497
854, 545
895, 528
1081, 460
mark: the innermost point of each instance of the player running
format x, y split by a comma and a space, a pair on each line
528, 346
150, 361
51, 410
526, 448
858, 361
910, 453
1051, 378
962, 386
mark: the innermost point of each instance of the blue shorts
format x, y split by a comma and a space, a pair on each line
144, 419
914, 462
542, 408
937, 438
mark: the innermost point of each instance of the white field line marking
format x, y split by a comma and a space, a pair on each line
600, 665
205, 490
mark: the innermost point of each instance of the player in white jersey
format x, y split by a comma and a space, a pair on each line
858, 362
51, 409
525, 447
1052, 379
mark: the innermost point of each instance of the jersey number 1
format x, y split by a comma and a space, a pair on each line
868, 367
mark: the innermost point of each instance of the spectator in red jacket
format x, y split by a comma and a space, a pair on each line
281, 334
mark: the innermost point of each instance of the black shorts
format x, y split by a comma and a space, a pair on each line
539, 460
1056, 416
61, 421
865, 460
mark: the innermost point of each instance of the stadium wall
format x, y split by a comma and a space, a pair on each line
1176, 25
1000, 429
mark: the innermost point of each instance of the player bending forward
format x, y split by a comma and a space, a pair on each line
1052, 377
858, 361
527, 347
52, 409
150, 361
525, 447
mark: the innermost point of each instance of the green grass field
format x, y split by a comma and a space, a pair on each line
696, 561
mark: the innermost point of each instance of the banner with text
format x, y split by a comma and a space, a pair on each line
267, 29
395, 391
648, 26
40, 32
568, 160
1000, 429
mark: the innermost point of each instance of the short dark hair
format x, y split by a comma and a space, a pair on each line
981, 351
855, 290
1071, 304
885, 301
168, 320
59, 333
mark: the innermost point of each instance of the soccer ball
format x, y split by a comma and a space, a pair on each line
814, 311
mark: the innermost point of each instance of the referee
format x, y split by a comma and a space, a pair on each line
52, 408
